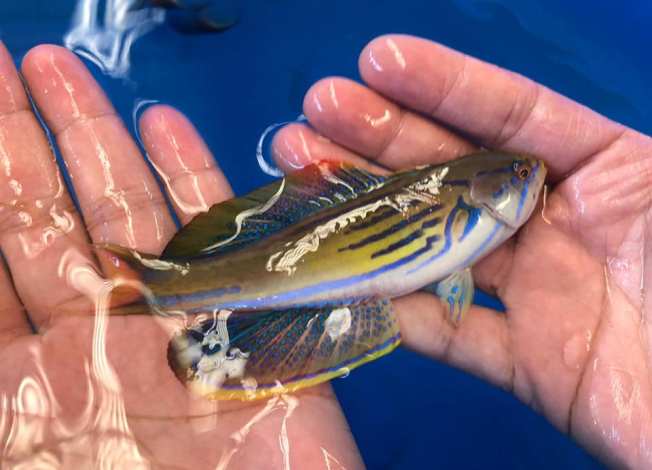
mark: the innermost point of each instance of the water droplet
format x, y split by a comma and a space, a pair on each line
577, 349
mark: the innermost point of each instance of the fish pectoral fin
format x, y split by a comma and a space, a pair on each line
456, 294
253, 355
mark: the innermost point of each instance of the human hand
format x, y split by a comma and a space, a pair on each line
574, 342
87, 390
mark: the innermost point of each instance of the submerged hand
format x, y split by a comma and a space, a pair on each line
574, 342
90, 391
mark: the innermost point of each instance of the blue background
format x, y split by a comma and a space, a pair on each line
405, 411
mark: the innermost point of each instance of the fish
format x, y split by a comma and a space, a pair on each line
291, 285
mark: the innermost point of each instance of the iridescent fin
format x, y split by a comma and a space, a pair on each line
456, 293
253, 355
237, 222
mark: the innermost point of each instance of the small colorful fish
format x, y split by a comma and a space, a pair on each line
289, 286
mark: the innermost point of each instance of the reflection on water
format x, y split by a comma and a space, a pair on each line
106, 37
265, 140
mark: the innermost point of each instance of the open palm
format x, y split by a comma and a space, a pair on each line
79, 390
574, 341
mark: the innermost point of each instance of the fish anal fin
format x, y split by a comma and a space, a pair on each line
253, 355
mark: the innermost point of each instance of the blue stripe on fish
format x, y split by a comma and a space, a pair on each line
497, 226
472, 219
264, 302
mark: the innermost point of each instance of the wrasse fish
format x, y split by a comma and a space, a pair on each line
290, 284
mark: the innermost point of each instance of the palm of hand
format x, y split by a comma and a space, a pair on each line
575, 296
91, 391
573, 343
120, 405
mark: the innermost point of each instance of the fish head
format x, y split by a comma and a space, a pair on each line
507, 186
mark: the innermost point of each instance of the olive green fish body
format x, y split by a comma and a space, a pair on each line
416, 228
295, 276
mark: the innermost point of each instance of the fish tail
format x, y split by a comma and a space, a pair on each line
125, 269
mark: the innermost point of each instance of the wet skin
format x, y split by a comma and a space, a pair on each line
574, 343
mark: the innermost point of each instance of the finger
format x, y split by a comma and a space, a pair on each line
187, 168
371, 125
118, 195
297, 145
13, 319
499, 108
479, 345
38, 222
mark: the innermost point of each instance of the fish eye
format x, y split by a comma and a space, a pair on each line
522, 170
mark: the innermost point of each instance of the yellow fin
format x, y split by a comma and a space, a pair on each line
253, 355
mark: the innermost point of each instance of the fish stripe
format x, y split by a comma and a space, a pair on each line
413, 236
384, 214
399, 244
343, 282
403, 223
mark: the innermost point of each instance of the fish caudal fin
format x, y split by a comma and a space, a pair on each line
125, 269
253, 355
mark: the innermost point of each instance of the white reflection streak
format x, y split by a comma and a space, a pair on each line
240, 436
116, 447
108, 42
268, 168
288, 402
329, 459
28, 413
30, 408
291, 404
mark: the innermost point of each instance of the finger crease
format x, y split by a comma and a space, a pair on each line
449, 89
14, 113
178, 176
590, 347
604, 148
111, 208
85, 119
520, 113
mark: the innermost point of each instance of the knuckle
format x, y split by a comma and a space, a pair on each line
110, 208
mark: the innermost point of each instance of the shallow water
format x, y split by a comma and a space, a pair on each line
234, 84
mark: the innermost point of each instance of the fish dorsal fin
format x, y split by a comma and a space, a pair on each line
237, 222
